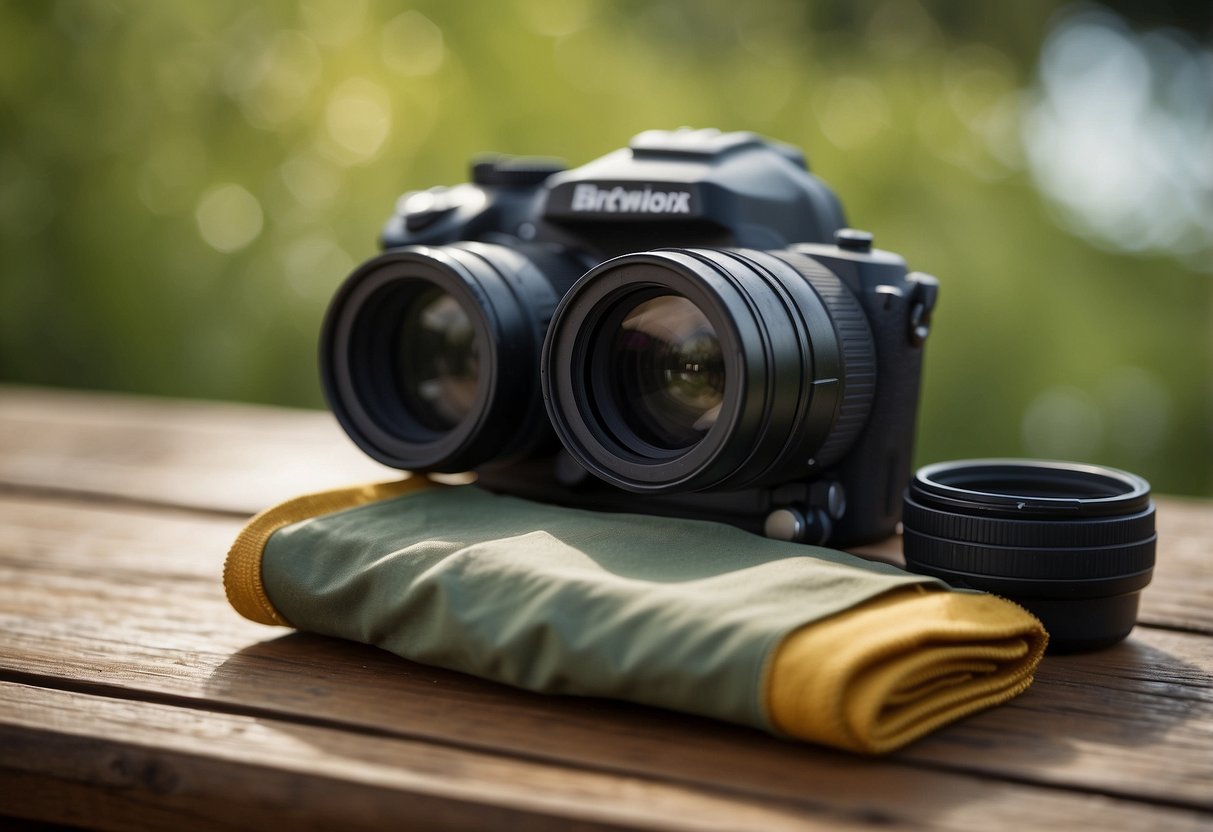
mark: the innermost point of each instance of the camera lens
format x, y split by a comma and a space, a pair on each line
688, 369
1072, 543
438, 367
429, 356
665, 361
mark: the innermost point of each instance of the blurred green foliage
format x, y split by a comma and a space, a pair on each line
183, 185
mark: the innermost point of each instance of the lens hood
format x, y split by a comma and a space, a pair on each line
1073, 544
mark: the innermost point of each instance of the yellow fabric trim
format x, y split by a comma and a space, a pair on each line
887, 672
242, 569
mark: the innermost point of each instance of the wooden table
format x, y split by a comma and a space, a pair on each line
133, 697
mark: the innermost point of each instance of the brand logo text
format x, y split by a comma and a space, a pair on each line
587, 197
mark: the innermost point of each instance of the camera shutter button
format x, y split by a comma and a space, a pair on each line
853, 239
421, 209
514, 171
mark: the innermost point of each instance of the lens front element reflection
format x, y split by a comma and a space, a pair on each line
667, 372
438, 365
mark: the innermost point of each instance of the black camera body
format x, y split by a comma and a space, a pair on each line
684, 327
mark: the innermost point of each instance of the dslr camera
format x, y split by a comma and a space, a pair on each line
683, 327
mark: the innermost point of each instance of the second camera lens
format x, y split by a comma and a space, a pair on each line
438, 370
430, 356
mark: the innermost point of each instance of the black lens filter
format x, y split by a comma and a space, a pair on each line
1073, 544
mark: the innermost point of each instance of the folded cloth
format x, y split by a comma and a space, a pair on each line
684, 614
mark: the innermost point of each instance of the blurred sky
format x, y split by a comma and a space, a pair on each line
183, 185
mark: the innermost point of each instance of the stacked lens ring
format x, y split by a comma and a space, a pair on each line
1074, 544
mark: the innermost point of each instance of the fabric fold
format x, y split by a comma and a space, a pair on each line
690, 615
879, 676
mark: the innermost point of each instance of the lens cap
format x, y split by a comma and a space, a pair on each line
1071, 543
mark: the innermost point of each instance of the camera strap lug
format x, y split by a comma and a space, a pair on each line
922, 304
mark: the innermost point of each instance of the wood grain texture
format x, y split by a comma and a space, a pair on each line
207, 455
253, 773
132, 697
77, 758
241, 458
106, 599
1181, 594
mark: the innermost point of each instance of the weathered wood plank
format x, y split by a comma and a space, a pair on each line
108, 597
1131, 715
78, 758
1181, 594
242, 458
207, 455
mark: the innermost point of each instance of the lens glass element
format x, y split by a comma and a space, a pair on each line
666, 372
438, 361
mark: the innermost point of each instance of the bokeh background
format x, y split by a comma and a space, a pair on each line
183, 184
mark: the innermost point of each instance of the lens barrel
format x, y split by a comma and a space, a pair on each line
429, 356
1073, 544
688, 369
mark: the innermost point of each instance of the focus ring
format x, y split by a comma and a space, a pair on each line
858, 351
1000, 531
1047, 563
